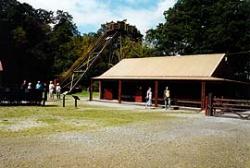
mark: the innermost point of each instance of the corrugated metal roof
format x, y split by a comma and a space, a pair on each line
191, 67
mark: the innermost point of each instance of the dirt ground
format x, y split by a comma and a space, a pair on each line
192, 140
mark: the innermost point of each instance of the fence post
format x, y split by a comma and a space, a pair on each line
64, 95
91, 90
64, 100
206, 105
210, 105
75, 98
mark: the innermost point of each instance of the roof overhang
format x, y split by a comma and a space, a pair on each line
181, 78
167, 67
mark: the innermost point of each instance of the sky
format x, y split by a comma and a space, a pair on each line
90, 14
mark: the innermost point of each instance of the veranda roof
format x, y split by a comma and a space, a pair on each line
189, 67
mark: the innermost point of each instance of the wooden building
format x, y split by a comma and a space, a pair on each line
189, 78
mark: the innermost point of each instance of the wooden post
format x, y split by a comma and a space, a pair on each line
203, 94
91, 90
210, 105
206, 105
156, 93
64, 100
100, 89
75, 98
120, 91
75, 102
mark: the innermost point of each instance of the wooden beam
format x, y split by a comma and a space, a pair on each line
156, 93
91, 90
119, 91
203, 94
100, 89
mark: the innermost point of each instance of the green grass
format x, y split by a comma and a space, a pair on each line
54, 119
48, 120
84, 93
5, 122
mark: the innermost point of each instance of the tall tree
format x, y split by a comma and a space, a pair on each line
63, 40
23, 39
30, 47
206, 26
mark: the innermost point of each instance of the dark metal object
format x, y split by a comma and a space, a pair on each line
64, 100
91, 91
64, 95
76, 98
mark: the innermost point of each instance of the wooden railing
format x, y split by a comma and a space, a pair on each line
21, 97
188, 103
220, 106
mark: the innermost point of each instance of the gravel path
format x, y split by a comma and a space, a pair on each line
191, 140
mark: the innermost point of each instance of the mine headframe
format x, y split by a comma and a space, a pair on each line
123, 29
110, 32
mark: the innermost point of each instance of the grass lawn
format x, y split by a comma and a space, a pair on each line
54, 136
85, 94
29, 120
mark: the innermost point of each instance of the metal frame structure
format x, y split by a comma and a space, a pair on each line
80, 67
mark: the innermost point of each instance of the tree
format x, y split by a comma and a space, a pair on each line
24, 41
63, 39
133, 49
194, 26
30, 47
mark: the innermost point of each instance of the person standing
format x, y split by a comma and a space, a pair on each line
29, 87
149, 97
29, 94
38, 92
38, 86
167, 98
58, 91
24, 91
51, 90
44, 93
24, 85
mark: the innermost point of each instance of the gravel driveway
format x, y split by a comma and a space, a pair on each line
191, 140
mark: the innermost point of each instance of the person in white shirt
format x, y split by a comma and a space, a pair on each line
51, 90
149, 97
58, 91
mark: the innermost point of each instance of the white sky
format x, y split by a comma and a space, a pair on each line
90, 14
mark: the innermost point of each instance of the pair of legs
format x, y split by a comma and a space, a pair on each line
58, 95
167, 103
51, 94
149, 103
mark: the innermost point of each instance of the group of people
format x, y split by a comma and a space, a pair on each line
42, 87
54, 89
28, 86
32, 94
166, 96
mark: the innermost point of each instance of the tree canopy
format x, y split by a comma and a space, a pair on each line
36, 44
203, 26
33, 42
